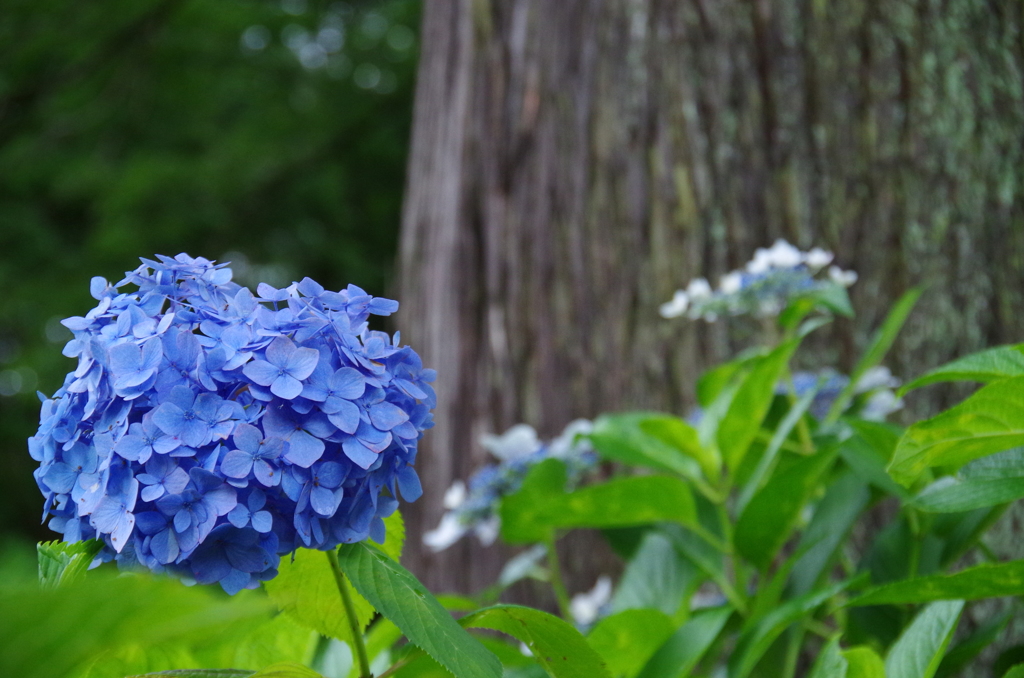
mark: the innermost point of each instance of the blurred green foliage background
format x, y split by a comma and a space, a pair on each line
269, 133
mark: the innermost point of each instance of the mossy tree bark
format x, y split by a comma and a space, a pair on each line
575, 162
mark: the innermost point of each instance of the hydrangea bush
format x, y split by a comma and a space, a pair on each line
207, 431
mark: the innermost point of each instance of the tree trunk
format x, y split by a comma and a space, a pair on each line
575, 162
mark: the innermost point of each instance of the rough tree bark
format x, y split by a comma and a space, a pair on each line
574, 162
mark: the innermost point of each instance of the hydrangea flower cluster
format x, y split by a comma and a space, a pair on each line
769, 281
207, 431
473, 508
875, 397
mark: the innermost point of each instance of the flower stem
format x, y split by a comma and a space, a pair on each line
561, 595
350, 614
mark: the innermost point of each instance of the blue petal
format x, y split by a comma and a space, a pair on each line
262, 521
348, 383
385, 416
236, 464
280, 351
324, 501
358, 453
304, 449
409, 484
347, 417
330, 474
247, 437
303, 362
131, 448
377, 530
165, 546
170, 418
261, 372
235, 581
287, 387
266, 474
239, 516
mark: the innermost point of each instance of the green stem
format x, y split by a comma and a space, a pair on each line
802, 430
561, 594
350, 613
987, 552
915, 544
733, 593
793, 646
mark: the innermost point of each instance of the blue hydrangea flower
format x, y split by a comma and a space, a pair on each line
207, 431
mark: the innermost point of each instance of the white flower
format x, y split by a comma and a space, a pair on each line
566, 444
526, 564
841, 277
880, 405
487, 530
449, 531
676, 307
783, 255
731, 282
698, 289
455, 495
761, 262
817, 259
585, 607
879, 376
517, 442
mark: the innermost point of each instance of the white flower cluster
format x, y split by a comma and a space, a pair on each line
763, 287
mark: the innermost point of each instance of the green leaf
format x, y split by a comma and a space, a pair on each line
1015, 672
750, 404
680, 436
919, 649
306, 590
713, 382
556, 645
200, 673
656, 577
863, 662
765, 524
62, 562
627, 639
276, 640
707, 558
48, 632
542, 505
286, 670
397, 595
988, 580
1006, 464
834, 298
767, 460
830, 662
833, 518
679, 654
984, 366
949, 495
760, 633
880, 344
869, 463
623, 437
991, 420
